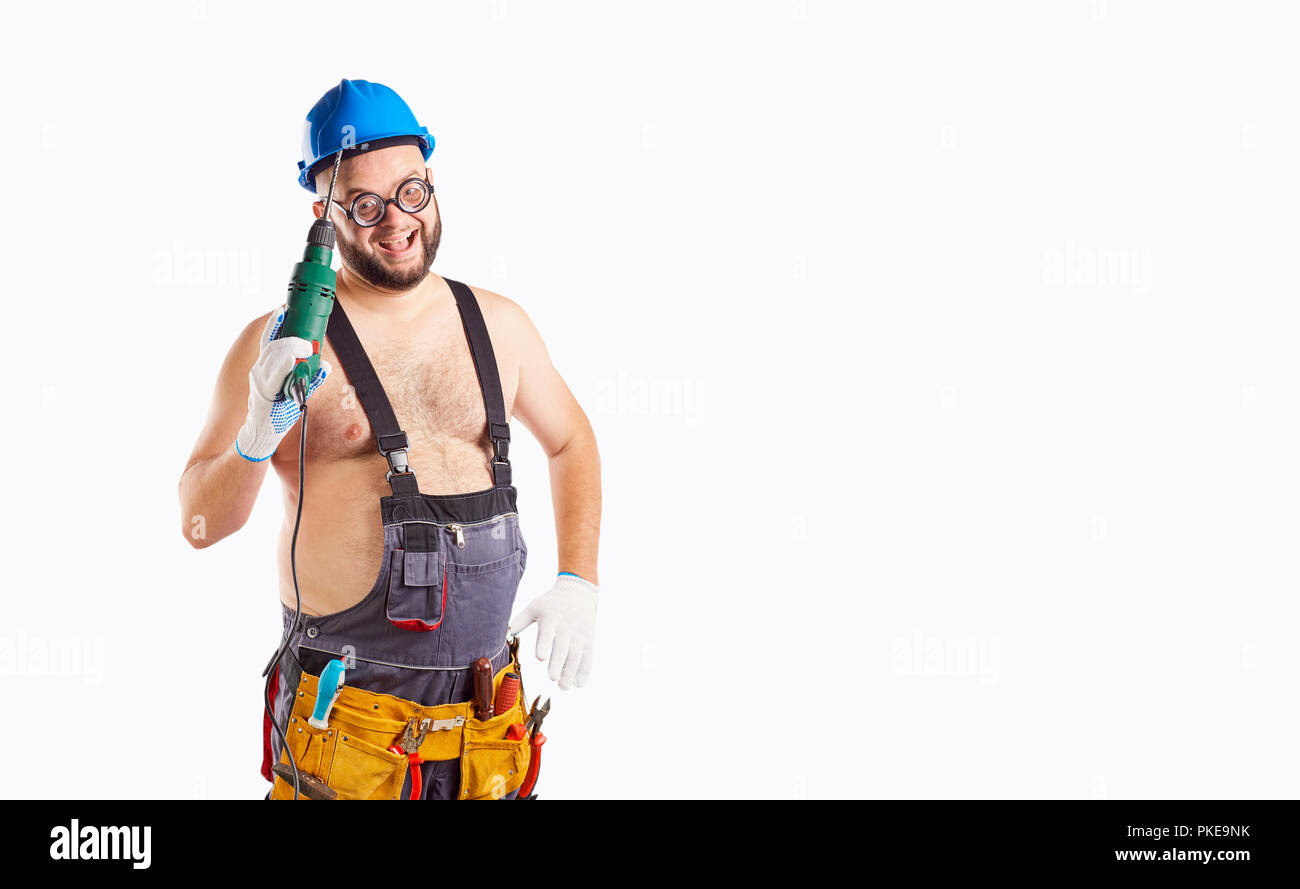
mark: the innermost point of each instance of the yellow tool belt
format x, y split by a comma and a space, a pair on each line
351, 755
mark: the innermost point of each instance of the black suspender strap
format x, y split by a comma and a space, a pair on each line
392, 440
489, 380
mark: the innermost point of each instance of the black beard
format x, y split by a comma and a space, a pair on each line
371, 268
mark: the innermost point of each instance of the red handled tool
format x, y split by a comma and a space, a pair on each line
409, 746
507, 693
534, 727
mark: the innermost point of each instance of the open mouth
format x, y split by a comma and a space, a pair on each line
399, 247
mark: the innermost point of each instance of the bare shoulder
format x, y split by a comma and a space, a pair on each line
506, 318
496, 305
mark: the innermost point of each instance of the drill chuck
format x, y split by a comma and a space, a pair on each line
321, 234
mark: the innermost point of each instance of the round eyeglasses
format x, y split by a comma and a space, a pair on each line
368, 208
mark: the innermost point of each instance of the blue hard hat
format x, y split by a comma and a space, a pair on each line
353, 115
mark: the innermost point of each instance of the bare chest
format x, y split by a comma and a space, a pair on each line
430, 382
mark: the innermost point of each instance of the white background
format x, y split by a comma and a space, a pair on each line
941, 357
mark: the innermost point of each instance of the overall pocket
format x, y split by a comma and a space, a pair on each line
479, 597
417, 590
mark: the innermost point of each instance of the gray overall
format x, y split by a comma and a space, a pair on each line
451, 566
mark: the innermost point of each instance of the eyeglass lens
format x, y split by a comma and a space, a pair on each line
411, 197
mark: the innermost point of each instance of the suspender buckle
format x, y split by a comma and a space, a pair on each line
500, 472
396, 460
500, 435
500, 464
393, 447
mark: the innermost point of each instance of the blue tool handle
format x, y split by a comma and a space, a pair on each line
327, 692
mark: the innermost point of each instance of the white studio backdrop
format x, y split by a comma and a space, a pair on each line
941, 358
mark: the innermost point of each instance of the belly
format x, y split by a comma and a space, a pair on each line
341, 538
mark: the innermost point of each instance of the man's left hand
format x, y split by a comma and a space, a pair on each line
566, 629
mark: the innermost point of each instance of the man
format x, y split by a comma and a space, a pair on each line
408, 551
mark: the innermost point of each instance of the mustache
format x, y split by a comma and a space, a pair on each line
366, 262
390, 235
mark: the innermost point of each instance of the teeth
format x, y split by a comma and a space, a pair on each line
394, 241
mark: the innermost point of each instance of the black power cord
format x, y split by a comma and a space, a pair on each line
300, 395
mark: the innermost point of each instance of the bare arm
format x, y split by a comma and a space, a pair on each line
219, 487
546, 407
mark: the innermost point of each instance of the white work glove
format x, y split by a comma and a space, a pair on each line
270, 414
566, 629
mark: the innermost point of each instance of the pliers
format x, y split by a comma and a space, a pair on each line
409, 746
534, 728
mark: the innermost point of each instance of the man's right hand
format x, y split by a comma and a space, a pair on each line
270, 414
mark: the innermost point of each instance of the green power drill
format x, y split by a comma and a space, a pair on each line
311, 297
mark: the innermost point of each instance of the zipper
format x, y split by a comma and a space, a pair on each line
450, 525
458, 528
504, 515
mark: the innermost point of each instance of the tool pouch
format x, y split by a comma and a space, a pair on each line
350, 765
490, 765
